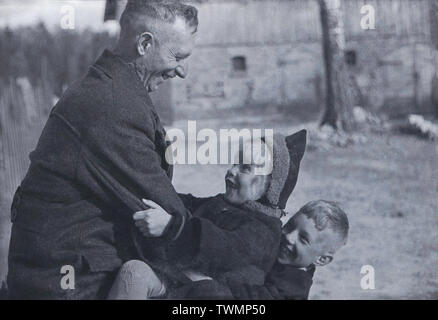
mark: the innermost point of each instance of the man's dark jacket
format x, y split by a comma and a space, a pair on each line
101, 151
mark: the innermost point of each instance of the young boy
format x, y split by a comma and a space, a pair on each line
310, 238
238, 230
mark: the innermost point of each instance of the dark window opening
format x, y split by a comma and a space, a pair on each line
239, 63
351, 57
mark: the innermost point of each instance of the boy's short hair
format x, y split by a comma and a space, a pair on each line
327, 214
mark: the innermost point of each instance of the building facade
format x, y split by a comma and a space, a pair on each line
268, 52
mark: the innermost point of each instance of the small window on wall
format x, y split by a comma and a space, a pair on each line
239, 64
434, 23
350, 57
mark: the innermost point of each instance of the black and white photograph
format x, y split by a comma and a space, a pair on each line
227, 150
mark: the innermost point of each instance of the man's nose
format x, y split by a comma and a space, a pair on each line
181, 71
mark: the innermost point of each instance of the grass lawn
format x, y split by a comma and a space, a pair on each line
389, 188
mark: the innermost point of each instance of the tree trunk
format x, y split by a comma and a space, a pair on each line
339, 91
434, 38
433, 10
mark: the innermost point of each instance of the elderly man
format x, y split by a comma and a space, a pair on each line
101, 151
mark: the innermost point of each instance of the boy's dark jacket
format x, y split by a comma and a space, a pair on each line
101, 151
283, 282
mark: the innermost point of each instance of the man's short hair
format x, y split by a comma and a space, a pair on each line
162, 10
327, 214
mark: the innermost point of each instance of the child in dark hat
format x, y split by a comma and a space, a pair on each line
237, 233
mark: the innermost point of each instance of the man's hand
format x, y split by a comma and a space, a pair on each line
152, 222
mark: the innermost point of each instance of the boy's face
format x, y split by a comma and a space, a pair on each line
303, 244
242, 184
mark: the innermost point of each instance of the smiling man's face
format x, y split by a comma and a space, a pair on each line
167, 57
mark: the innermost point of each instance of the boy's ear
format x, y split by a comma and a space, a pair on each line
323, 260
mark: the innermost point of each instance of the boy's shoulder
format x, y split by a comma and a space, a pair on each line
292, 282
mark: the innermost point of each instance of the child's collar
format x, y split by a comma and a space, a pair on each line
267, 210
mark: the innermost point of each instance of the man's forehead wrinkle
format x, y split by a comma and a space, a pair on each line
166, 31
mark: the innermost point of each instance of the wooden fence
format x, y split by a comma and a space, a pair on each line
23, 113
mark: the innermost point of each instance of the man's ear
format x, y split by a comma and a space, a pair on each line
323, 260
144, 42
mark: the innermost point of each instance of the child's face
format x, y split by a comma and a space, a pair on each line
303, 244
242, 184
